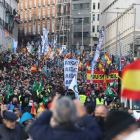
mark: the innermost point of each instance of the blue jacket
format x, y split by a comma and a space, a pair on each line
11, 107
26, 116
41, 130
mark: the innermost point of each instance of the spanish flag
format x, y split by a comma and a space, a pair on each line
67, 55
48, 55
40, 69
50, 48
131, 81
79, 57
20, 69
58, 50
84, 54
88, 76
33, 110
33, 68
109, 60
105, 82
80, 66
101, 67
86, 64
41, 109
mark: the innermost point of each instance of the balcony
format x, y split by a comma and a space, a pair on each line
59, 1
67, 13
48, 4
43, 4
39, 5
25, 7
30, 6
48, 16
25, 19
30, 19
43, 17
59, 14
53, 15
53, 3
39, 17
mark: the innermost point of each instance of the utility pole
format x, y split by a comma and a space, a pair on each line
134, 36
117, 33
82, 30
105, 32
91, 33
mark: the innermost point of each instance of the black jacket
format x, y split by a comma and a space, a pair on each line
41, 130
8, 134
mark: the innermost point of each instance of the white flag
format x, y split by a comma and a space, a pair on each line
73, 86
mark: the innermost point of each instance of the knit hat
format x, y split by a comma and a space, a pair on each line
117, 122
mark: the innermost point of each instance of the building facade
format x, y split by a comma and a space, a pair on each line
120, 16
63, 22
85, 22
36, 15
8, 28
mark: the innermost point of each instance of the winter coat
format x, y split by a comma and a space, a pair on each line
8, 134
11, 106
63, 132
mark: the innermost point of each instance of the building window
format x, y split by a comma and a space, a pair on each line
39, 14
26, 4
98, 29
38, 28
53, 1
98, 5
44, 13
30, 15
81, 6
21, 4
39, 4
48, 26
98, 17
53, 11
34, 3
93, 17
30, 3
43, 25
53, 26
29, 28
48, 12
21, 16
94, 6
25, 16
25, 29
93, 28
48, 1
44, 2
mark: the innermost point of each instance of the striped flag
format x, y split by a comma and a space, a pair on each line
41, 109
33, 68
40, 69
58, 50
86, 64
33, 110
67, 55
101, 67
50, 48
88, 76
131, 81
109, 60
80, 66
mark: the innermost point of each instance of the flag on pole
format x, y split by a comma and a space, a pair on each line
131, 81
73, 86
32, 50
41, 109
101, 67
33, 110
80, 66
120, 64
105, 82
114, 84
67, 55
88, 76
15, 17
6, 87
109, 60
58, 50
34, 88
40, 86
109, 92
50, 48
40, 69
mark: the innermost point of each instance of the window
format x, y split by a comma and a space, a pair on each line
93, 17
39, 13
48, 26
38, 28
93, 28
39, 4
53, 1
80, 6
98, 17
34, 3
21, 4
30, 15
98, 29
26, 4
25, 16
48, 1
30, 3
29, 28
48, 12
53, 26
43, 25
44, 13
93, 5
21, 16
25, 29
44, 2
98, 5
53, 11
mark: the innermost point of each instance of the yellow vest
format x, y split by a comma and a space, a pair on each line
19, 99
98, 102
82, 98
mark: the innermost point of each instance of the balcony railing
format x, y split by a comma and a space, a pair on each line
39, 17
43, 17
48, 16
25, 19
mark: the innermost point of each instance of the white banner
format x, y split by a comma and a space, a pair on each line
70, 70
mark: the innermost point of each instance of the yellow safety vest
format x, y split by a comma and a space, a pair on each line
82, 98
98, 102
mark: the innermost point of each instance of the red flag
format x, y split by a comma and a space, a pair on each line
33, 68
104, 82
33, 111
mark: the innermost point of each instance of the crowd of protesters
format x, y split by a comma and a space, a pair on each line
53, 113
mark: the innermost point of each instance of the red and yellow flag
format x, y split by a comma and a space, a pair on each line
20, 69
41, 109
105, 82
40, 69
84, 54
86, 64
67, 55
101, 67
58, 50
80, 66
48, 55
33, 110
33, 68
79, 57
88, 76
50, 48
109, 60
131, 81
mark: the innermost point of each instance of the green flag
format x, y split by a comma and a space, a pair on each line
6, 87
34, 88
109, 92
40, 86
114, 84
32, 50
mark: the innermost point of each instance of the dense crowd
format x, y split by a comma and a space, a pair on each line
49, 112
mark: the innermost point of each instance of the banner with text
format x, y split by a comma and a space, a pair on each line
70, 70
98, 76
